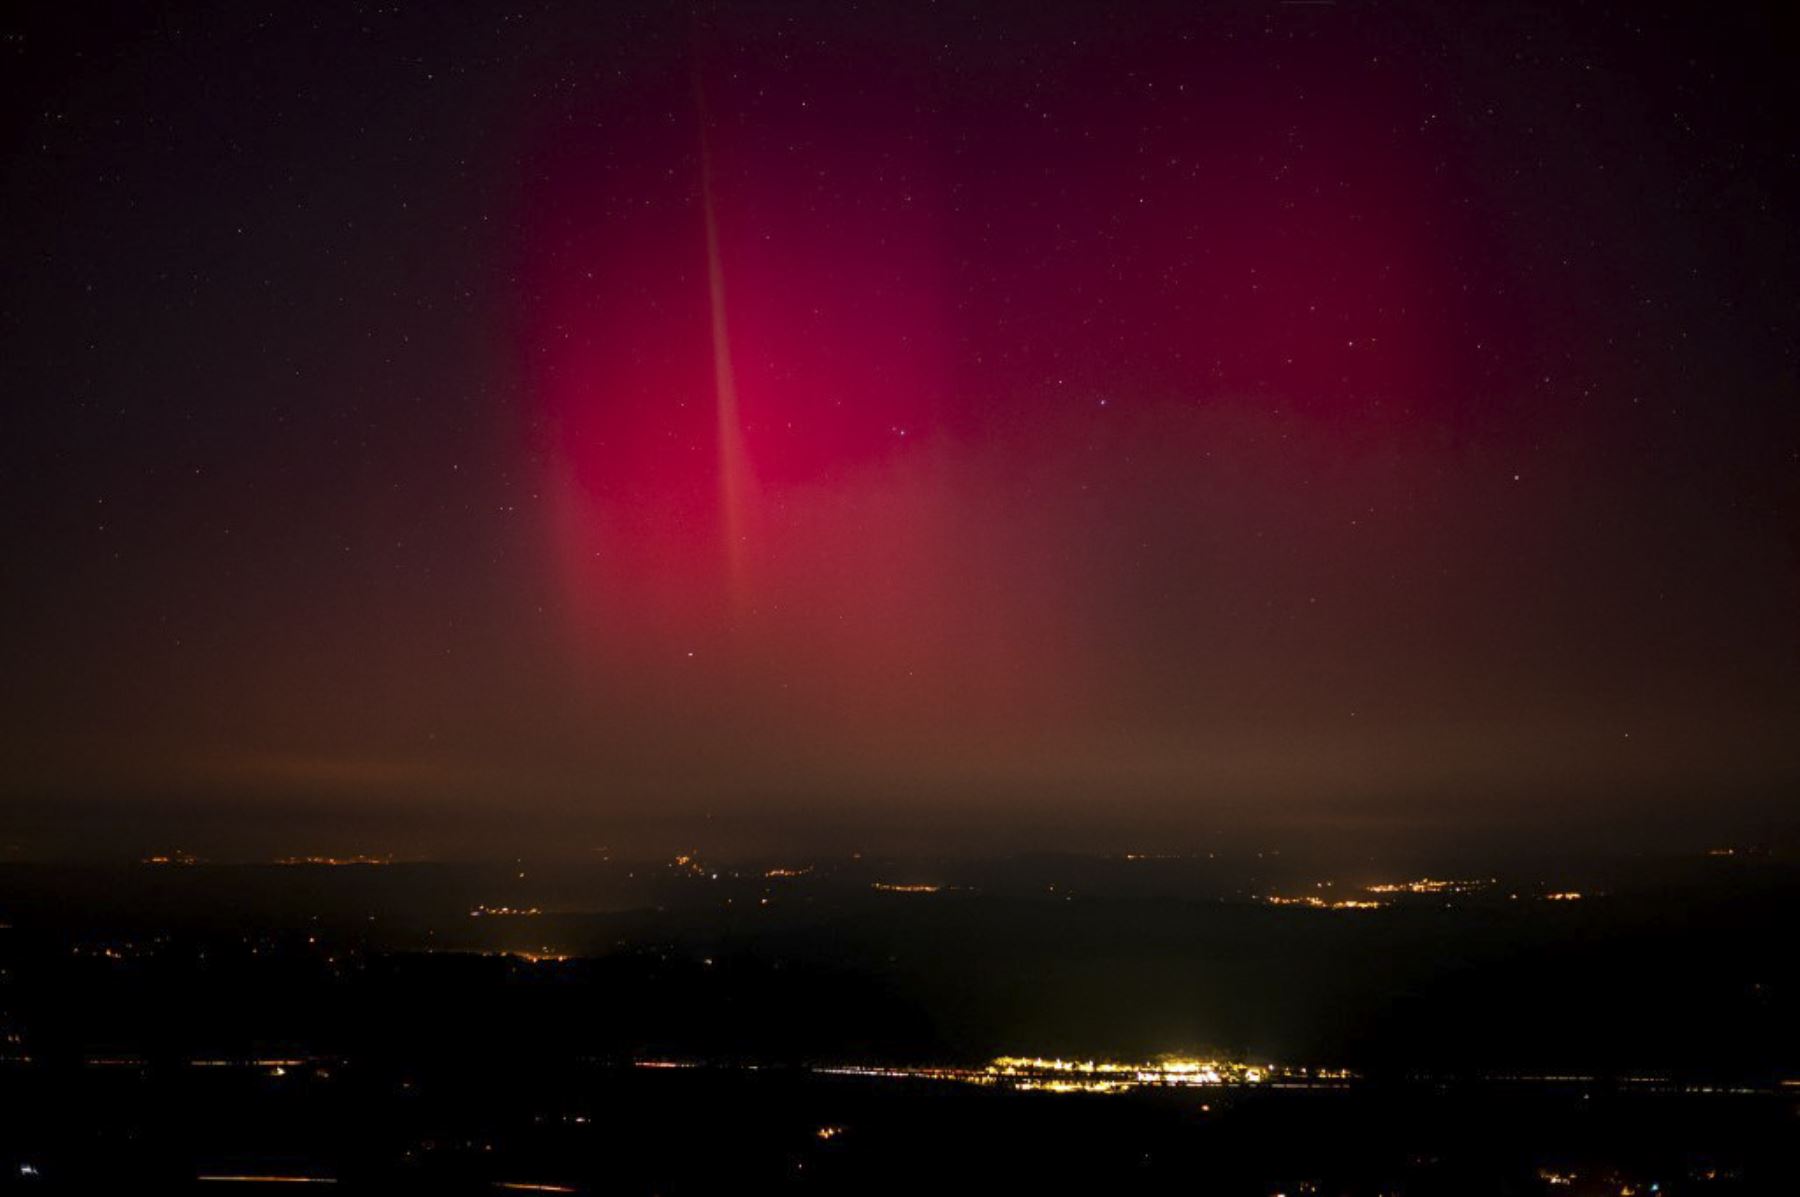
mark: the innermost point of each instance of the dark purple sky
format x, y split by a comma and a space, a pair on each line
1073, 421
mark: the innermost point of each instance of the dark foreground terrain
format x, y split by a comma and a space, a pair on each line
623, 1130
685, 1027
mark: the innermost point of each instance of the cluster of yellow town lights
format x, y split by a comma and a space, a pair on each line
1394, 889
1108, 1076
1429, 885
1317, 903
1098, 1076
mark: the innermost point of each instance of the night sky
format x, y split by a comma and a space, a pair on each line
1072, 424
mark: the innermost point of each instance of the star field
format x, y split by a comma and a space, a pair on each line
898, 416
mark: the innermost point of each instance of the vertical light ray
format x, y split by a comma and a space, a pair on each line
733, 467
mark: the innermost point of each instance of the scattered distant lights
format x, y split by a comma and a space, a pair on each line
1390, 890
175, 857
1430, 885
335, 862
179, 857
1317, 903
890, 888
